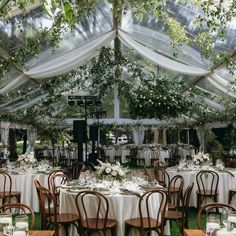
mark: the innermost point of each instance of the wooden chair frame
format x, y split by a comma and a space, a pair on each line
204, 191
22, 208
97, 224
148, 223
208, 208
7, 194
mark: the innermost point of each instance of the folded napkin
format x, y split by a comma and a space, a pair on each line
128, 191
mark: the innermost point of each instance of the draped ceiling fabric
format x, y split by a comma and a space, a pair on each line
138, 136
4, 137
149, 41
31, 138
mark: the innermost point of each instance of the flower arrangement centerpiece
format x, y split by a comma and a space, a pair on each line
26, 159
201, 158
116, 171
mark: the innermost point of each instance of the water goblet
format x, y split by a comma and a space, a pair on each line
212, 224
224, 218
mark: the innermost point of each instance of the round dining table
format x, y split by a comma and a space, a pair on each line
24, 183
227, 180
121, 207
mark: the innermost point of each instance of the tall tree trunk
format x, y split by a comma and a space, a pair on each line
12, 145
24, 142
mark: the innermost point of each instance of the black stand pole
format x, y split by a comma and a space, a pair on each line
86, 131
80, 151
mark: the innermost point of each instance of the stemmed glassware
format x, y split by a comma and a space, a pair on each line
224, 218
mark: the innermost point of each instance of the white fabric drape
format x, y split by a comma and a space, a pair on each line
159, 59
4, 137
220, 83
30, 103
71, 59
138, 136
31, 138
20, 80
200, 134
63, 63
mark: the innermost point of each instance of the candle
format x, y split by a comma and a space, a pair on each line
19, 233
22, 225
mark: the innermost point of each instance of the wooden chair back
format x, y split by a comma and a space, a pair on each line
159, 163
76, 170
48, 207
186, 201
207, 182
145, 209
55, 179
175, 191
162, 176
5, 187
209, 208
100, 210
21, 209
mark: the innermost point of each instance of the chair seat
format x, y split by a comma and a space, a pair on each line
65, 218
13, 193
171, 206
207, 193
173, 215
173, 189
135, 222
110, 223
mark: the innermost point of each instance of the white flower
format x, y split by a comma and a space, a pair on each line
115, 168
121, 173
114, 173
108, 170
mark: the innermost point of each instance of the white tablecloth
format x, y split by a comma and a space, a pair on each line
121, 207
226, 182
25, 184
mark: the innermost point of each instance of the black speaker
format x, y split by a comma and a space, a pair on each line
93, 133
79, 131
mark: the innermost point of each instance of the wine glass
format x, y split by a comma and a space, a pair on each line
224, 217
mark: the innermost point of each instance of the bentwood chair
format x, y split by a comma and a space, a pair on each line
99, 222
146, 223
209, 208
55, 179
162, 176
49, 212
159, 163
181, 215
175, 192
232, 192
6, 193
77, 169
21, 209
207, 182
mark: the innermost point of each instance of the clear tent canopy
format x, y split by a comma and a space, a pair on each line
42, 83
